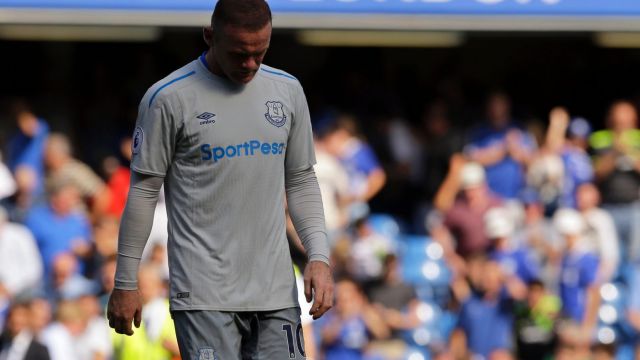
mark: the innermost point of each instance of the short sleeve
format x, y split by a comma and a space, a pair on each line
154, 136
300, 153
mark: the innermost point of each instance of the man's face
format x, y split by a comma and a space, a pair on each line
623, 116
239, 52
498, 110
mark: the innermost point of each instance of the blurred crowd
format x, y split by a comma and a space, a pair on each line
495, 240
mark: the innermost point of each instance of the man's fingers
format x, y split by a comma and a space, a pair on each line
328, 298
126, 326
307, 289
137, 318
317, 301
327, 302
121, 325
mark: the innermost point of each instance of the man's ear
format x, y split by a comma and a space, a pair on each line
207, 34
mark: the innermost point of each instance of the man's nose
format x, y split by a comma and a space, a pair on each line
250, 63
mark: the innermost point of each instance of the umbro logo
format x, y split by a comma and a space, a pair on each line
206, 117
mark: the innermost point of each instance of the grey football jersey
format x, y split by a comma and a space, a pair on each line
223, 150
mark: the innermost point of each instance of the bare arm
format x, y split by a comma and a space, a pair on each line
375, 181
446, 195
458, 344
591, 310
604, 165
489, 155
374, 322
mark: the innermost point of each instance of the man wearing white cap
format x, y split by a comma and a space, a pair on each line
499, 227
578, 290
466, 190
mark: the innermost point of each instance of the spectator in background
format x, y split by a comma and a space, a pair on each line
396, 301
535, 322
578, 169
59, 336
465, 198
539, 236
366, 176
486, 320
562, 164
368, 252
20, 262
25, 151
515, 261
441, 142
107, 280
617, 170
155, 339
65, 281
40, 314
601, 235
119, 181
502, 148
346, 331
105, 235
94, 343
334, 188
72, 230
17, 341
578, 275
63, 168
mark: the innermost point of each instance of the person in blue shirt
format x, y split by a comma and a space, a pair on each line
486, 321
577, 163
345, 333
25, 149
366, 176
502, 148
578, 286
519, 261
58, 227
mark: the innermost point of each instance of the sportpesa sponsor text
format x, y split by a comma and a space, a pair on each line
248, 148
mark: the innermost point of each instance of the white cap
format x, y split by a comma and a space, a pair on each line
569, 222
472, 175
498, 223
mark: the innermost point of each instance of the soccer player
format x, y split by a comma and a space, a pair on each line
228, 137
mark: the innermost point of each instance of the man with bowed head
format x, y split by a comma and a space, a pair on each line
233, 292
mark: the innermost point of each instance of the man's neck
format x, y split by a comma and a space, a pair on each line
213, 65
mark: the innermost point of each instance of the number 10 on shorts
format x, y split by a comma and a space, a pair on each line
299, 340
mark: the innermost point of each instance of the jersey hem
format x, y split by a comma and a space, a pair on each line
233, 309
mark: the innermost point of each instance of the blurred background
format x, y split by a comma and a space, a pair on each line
479, 162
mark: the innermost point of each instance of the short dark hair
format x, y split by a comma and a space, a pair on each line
251, 15
19, 106
535, 283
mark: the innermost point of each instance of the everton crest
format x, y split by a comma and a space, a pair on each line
275, 113
136, 141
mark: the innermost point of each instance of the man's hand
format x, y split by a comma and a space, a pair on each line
318, 285
124, 307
